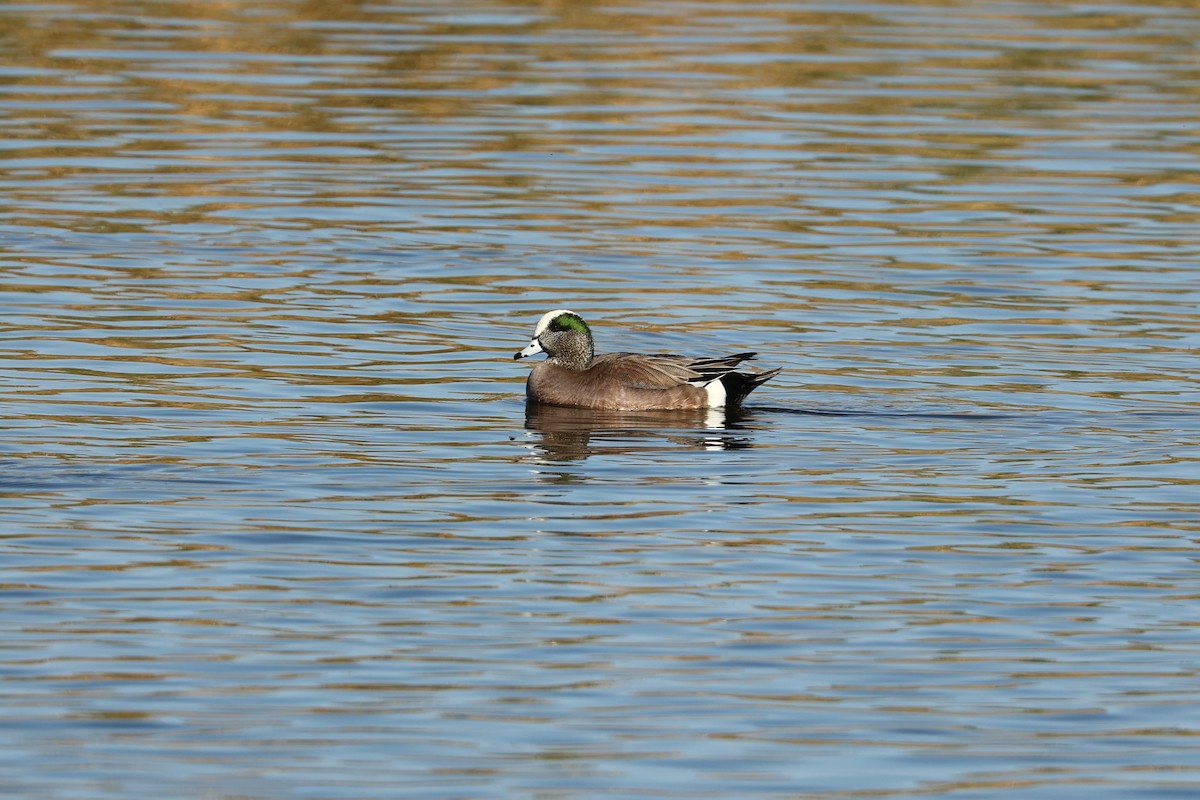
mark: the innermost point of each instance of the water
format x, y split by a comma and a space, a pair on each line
275, 521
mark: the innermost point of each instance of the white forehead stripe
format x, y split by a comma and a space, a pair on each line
546, 319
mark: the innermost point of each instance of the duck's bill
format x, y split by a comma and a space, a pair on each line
532, 349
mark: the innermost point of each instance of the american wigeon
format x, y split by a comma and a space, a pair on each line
576, 377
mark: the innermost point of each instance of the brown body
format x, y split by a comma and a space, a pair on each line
618, 382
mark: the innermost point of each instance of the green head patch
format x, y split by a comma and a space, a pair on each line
569, 322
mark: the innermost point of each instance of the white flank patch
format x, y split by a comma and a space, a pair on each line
716, 393
544, 322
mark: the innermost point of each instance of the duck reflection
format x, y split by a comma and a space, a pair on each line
567, 434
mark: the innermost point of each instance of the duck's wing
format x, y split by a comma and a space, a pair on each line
709, 368
661, 370
638, 371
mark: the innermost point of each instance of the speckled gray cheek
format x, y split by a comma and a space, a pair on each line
571, 349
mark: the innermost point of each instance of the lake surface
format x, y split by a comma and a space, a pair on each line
275, 522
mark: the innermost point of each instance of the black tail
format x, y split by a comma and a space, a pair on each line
739, 384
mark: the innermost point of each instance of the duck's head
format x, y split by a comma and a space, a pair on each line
564, 337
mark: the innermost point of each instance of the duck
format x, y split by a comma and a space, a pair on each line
574, 376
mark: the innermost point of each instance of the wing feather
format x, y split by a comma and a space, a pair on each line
661, 371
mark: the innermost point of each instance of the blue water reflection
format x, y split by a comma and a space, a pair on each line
278, 524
